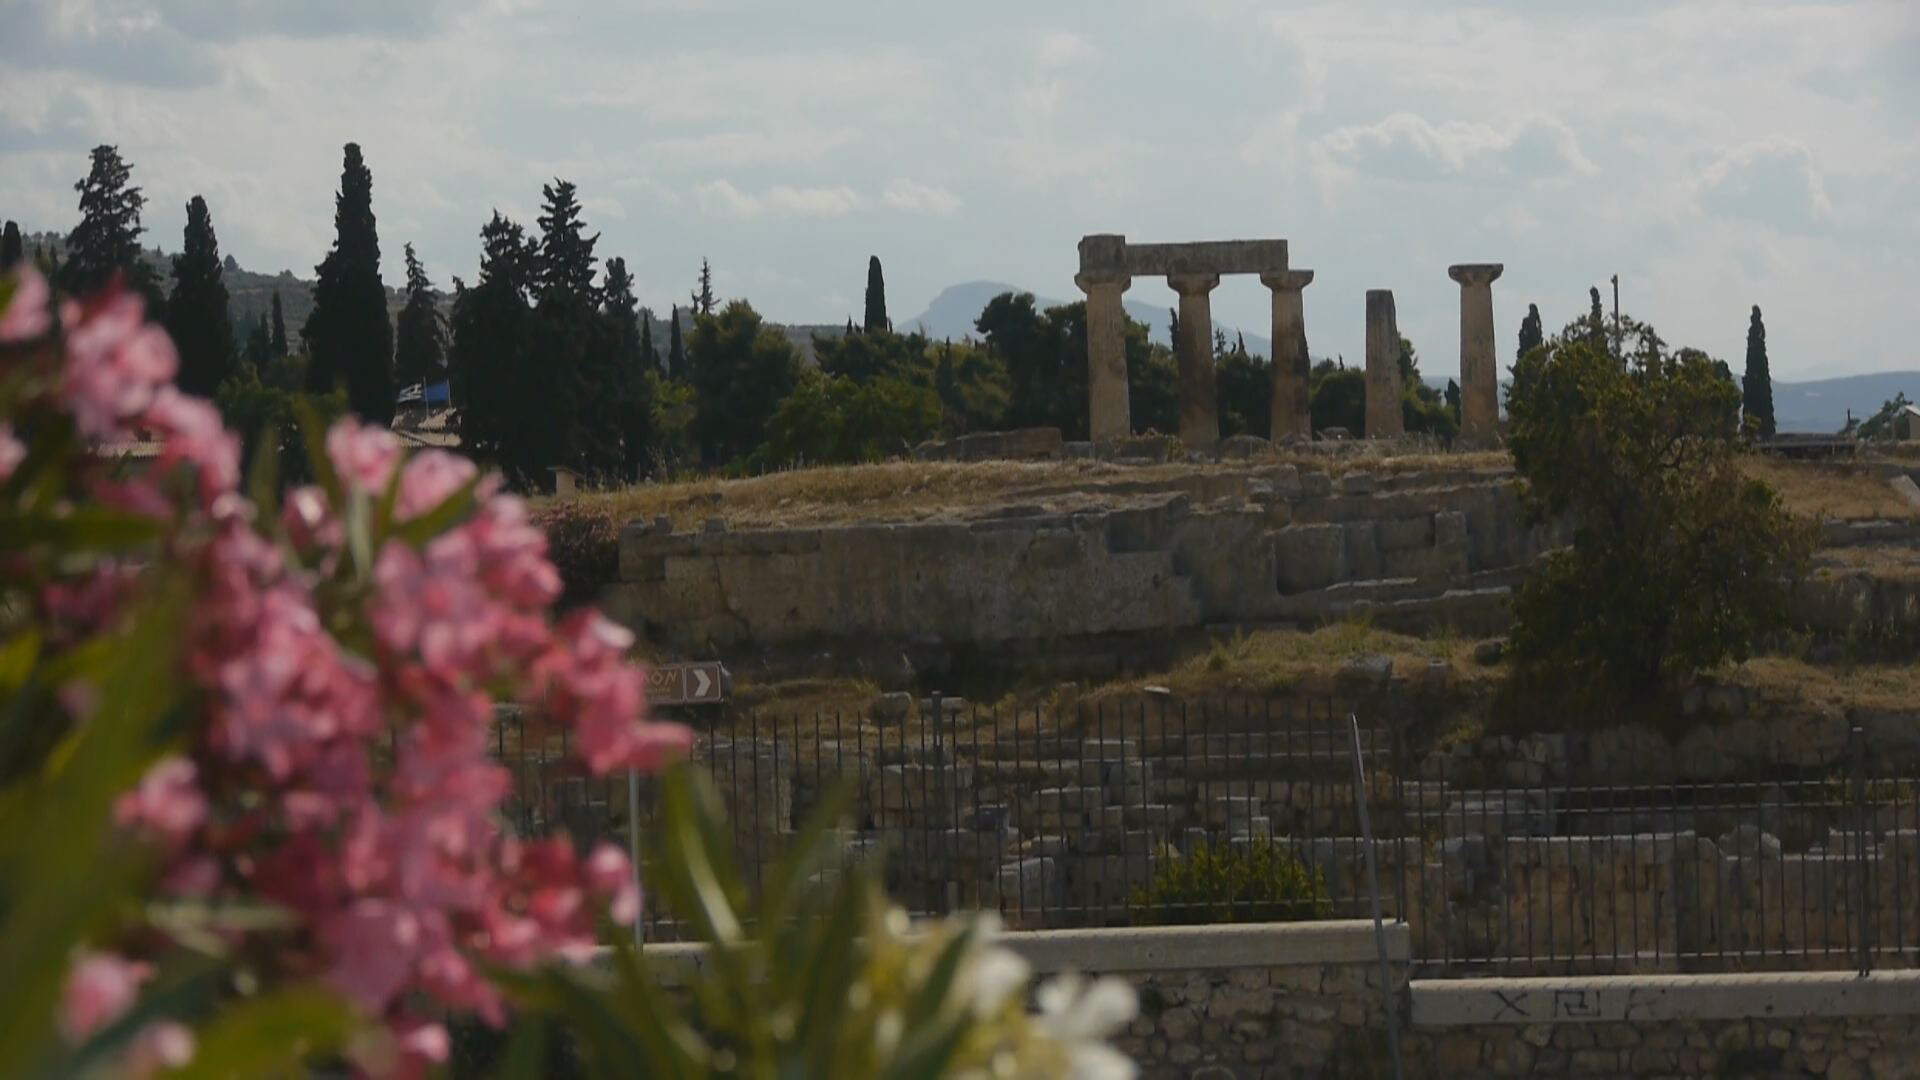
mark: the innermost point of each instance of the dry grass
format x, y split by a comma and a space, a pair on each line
1892, 687
1835, 489
915, 490
1891, 563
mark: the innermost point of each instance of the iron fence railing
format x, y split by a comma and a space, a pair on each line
1149, 810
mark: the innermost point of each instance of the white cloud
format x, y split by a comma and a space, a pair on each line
1772, 180
1062, 48
904, 194
721, 198
1405, 146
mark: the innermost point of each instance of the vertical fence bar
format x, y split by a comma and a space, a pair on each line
1387, 994
1857, 736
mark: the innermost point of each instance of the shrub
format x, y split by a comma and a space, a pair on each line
1227, 882
583, 540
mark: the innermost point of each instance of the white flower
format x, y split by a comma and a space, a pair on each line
1081, 1015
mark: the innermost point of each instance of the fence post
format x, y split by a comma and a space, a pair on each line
1387, 992
1857, 740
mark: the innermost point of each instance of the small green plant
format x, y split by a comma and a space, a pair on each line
1227, 882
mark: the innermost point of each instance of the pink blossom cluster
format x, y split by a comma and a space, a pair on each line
350, 784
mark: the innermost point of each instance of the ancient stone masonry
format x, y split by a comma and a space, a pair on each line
1291, 365
1479, 375
1384, 417
1266, 545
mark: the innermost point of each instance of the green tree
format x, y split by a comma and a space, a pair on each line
876, 317
1757, 385
566, 251
1045, 354
633, 362
1531, 334
702, 294
107, 240
196, 313
833, 419
1422, 409
1337, 397
1245, 391
1679, 561
649, 356
494, 332
349, 340
1452, 398
259, 351
1880, 425
420, 336
279, 338
11, 250
676, 351
742, 369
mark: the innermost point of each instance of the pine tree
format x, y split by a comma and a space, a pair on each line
1597, 319
278, 339
1530, 332
676, 352
876, 318
1757, 387
108, 236
11, 249
196, 314
633, 362
566, 253
649, 356
420, 336
348, 336
494, 378
703, 296
259, 347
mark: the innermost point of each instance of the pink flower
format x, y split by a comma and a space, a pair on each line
374, 944
166, 802
12, 452
26, 316
610, 876
429, 478
159, 1046
592, 688
116, 362
192, 434
99, 988
363, 455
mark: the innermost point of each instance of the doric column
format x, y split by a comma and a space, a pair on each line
1108, 416
1479, 375
1290, 365
1383, 366
1199, 409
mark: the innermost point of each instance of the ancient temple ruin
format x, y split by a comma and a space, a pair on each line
1109, 263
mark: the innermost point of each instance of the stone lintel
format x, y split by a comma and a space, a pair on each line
1620, 998
1207, 257
1291, 280
1475, 273
1193, 283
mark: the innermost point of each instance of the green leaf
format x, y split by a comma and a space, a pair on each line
270, 1035
17, 658
313, 431
263, 472
526, 1056
82, 529
417, 530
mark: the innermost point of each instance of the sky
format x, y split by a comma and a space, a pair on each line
1714, 155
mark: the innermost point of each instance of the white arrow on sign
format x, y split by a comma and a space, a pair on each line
702, 682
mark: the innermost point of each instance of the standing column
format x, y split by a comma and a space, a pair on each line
1383, 367
1291, 417
1479, 375
1108, 415
1199, 409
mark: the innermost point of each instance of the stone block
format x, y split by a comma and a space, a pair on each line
1409, 532
1308, 557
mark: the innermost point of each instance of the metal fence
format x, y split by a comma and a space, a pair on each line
1148, 812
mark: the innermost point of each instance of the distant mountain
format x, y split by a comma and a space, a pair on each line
951, 314
1822, 404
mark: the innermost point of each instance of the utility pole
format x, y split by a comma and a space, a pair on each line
1616, 318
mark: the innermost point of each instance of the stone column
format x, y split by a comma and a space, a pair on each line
1479, 375
1383, 367
1108, 415
1199, 409
1291, 418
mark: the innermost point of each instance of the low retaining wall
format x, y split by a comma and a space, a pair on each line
1835, 1024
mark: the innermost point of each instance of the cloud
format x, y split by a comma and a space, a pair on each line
1062, 48
722, 199
105, 39
1773, 180
904, 194
1407, 147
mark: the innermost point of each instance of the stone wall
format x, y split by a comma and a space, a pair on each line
1821, 1024
1260, 546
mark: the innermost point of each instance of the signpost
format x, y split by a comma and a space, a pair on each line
704, 683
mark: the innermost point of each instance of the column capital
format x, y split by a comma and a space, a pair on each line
1089, 280
1475, 273
1191, 284
1287, 280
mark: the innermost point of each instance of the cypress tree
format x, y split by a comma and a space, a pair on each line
676, 352
493, 336
348, 336
420, 338
1530, 333
876, 318
259, 347
649, 356
278, 340
632, 363
1756, 390
1597, 319
108, 236
197, 311
11, 248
